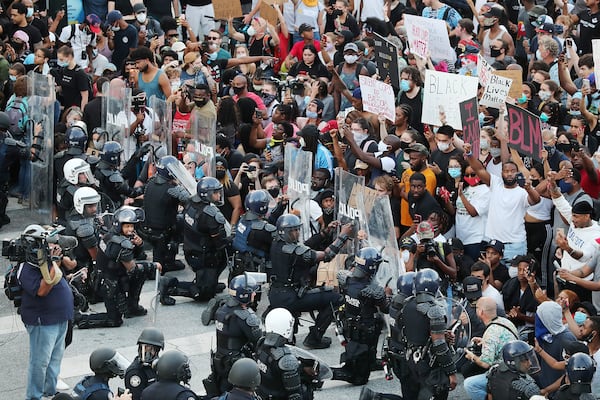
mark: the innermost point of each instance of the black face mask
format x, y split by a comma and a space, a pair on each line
274, 192
238, 90
220, 174
17, 46
200, 102
495, 52
404, 145
536, 85
535, 182
267, 98
337, 13
328, 211
563, 147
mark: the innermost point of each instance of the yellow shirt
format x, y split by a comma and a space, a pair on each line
430, 183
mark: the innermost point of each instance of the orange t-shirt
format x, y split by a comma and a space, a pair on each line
430, 182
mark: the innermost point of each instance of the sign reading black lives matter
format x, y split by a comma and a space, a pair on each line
386, 57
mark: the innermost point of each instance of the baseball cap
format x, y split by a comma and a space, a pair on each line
587, 306
305, 27
546, 27
494, 11
417, 148
332, 124
360, 165
139, 7
178, 46
582, 207
407, 243
536, 11
541, 20
113, 17
351, 47
94, 22
319, 104
425, 231
496, 245
347, 35
472, 287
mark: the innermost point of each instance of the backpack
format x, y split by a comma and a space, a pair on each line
17, 117
12, 286
73, 35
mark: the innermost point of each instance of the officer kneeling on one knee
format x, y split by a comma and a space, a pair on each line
238, 331
292, 266
173, 374
511, 379
245, 378
140, 374
106, 363
122, 276
363, 299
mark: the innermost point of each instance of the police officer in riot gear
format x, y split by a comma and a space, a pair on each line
77, 174
429, 360
580, 371
238, 331
397, 340
11, 151
106, 363
362, 323
280, 378
173, 372
205, 242
245, 378
122, 276
140, 374
292, 266
162, 197
511, 378
110, 180
77, 141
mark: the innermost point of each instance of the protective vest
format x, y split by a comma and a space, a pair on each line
88, 386
166, 390
500, 380
161, 208
240, 241
418, 334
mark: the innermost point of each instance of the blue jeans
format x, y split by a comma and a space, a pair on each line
476, 387
46, 349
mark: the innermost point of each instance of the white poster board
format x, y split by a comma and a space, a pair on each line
596, 55
444, 92
378, 97
484, 70
496, 91
418, 39
438, 43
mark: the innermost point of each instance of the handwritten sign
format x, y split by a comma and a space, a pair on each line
469, 116
524, 131
516, 88
443, 92
438, 42
418, 39
227, 8
377, 97
496, 91
387, 60
484, 70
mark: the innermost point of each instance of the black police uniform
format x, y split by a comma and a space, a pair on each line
9, 155
205, 240
138, 377
64, 199
92, 388
112, 183
252, 243
280, 379
429, 364
86, 230
61, 158
397, 340
238, 394
362, 327
575, 391
292, 266
238, 331
505, 384
168, 390
120, 289
161, 199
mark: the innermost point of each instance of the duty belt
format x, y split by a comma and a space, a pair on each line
416, 353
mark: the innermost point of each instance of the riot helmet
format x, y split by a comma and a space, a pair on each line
405, 283
150, 343
244, 374
108, 362
242, 287
111, 153
580, 368
520, 357
173, 366
207, 187
33, 240
288, 228
86, 196
427, 281
162, 167
76, 136
128, 215
257, 202
4, 121
366, 262
281, 322
74, 167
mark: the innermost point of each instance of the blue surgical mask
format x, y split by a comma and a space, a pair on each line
29, 12
484, 144
495, 152
523, 99
404, 85
565, 187
481, 119
544, 117
579, 317
311, 114
62, 63
213, 56
454, 172
12, 78
571, 112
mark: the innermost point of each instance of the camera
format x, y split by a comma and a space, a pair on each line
296, 86
430, 248
520, 179
475, 348
251, 168
13, 250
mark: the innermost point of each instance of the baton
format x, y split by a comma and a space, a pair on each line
156, 282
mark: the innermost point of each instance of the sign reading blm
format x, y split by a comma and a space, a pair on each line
524, 131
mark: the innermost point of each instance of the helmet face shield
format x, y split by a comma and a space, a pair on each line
217, 197
527, 363
118, 364
148, 353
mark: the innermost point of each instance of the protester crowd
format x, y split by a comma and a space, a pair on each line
511, 231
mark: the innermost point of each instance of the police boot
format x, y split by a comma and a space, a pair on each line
342, 374
85, 322
316, 340
176, 265
208, 315
368, 394
165, 287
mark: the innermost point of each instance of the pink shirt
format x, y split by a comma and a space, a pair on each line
255, 97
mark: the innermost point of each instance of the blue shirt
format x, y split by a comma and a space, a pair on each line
323, 158
452, 18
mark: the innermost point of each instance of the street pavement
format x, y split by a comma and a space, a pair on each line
180, 324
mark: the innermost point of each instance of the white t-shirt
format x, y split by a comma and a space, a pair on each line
79, 42
506, 219
596, 377
494, 169
492, 292
99, 64
471, 230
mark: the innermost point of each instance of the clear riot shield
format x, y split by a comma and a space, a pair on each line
116, 115
348, 194
204, 131
458, 326
183, 176
382, 236
41, 99
160, 132
298, 166
321, 370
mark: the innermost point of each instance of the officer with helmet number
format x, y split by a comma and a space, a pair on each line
173, 374
140, 374
77, 142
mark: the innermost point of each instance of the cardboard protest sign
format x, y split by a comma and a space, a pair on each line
496, 91
387, 60
267, 12
524, 131
443, 92
484, 70
377, 97
227, 8
469, 115
516, 88
596, 55
418, 39
438, 43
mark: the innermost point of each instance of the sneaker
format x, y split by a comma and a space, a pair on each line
62, 385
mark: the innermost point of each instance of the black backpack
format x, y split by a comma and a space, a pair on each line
12, 285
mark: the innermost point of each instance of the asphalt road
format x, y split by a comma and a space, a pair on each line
180, 324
